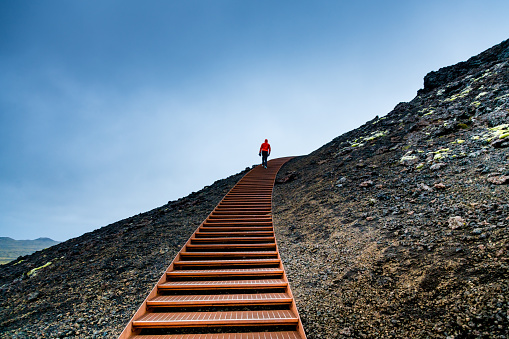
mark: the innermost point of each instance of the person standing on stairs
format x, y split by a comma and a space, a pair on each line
264, 152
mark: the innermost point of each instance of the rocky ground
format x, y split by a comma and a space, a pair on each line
395, 229
400, 227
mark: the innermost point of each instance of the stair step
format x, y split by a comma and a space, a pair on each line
244, 209
253, 200
246, 205
235, 223
237, 229
255, 187
213, 219
241, 262
238, 272
203, 319
240, 210
232, 240
230, 255
250, 191
228, 213
253, 335
230, 247
248, 196
223, 284
234, 234
255, 299
240, 201
246, 217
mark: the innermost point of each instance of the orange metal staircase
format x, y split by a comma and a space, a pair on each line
228, 281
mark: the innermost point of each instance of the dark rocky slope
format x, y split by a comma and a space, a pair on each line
395, 229
400, 227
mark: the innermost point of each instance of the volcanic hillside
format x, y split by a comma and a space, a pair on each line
395, 229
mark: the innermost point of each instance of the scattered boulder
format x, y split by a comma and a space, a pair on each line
500, 143
33, 296
439, 186
437, 166
456, 222
409, 160
424, 187
499, 180
367, 183
288, 177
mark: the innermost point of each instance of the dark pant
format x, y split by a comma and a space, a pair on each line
265, 154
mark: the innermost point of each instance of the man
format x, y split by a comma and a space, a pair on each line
264, 152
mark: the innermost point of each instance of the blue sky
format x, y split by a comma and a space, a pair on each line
112, 108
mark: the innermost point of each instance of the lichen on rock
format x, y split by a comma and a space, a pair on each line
33, 272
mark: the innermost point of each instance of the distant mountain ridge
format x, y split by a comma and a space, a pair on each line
11, 249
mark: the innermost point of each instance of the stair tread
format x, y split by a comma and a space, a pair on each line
253, 335
200, 254
258, 240
217, 262
239, 218
243, 208
239, 318
223, 283
273, 261
238, 222
209, 229
239, 271
234, 233
226, 212
229, 246
216, 299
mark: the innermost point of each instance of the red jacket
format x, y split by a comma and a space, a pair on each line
265, 146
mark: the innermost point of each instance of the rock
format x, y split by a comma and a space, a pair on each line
33, 296
500, 143
367, 183
437, 166
439, 186
456, 222
424, 187
409, 160
499, 180
289, 177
